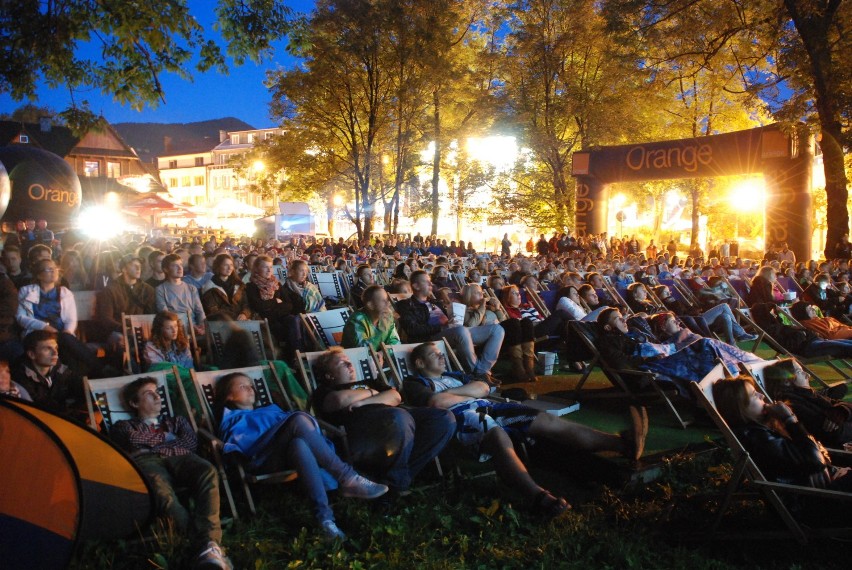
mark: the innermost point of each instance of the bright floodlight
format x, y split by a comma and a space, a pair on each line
100, 223
338, 200
500, 152
258, 166
618, 200
747, 196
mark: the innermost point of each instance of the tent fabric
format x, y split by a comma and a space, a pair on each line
101, 484
40, 504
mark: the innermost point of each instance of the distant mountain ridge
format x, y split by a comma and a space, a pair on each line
148, 139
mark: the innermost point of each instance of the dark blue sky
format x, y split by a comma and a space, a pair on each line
239, 94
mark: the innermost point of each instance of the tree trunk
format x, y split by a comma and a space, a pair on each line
694, 191
813, 27
436, 161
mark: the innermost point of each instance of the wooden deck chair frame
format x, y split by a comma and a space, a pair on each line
204, 383
103, 391
330, 285
538, 303
280, 272
363, 358
322, 335
133, 351
397, 356
746, 469
616, 375
740, 301
258, 330
104, 396
762, 335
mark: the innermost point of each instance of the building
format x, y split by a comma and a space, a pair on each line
207, 176
101, 159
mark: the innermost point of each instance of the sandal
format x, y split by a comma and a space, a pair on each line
548, 505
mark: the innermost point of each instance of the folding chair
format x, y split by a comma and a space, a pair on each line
331, 286
398, 357
326, 327
746, 469
137, 331
762, 335
362, 357
205, 384
280, 272
86, 306
105, 398
219, 332
621, 378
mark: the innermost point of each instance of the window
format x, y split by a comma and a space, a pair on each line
251, 138
184, 181
24, 139
235, 139
199, 181
113, 170
172, 164
199, 161
226, 182
172, 182
269, 135
91, 168
217, 182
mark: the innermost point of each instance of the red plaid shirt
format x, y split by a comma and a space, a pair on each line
173, 436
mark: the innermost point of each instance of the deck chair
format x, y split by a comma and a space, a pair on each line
205, 383
745, 315
622, 378
218, 333
280, 272
362, 357
326, 327
398, 357
539, 304
86, 306
746, 469
105, 398
137, 331
331, 286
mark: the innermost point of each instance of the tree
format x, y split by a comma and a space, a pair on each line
460, 62
807, 42
122, 48
338, 100
566, 87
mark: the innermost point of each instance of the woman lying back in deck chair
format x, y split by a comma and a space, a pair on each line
685, 358
779, 444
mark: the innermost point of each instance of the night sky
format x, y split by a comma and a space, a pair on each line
240, 94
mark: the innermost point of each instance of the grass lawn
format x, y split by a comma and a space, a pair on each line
473, 521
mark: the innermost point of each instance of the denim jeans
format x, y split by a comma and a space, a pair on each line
838, 348
721, 319
200, 477
465, 339
397, 443
299, 445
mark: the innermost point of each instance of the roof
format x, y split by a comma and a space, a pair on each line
59, 140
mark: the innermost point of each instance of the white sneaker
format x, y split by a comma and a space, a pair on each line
331, 531
212, 558
362, 488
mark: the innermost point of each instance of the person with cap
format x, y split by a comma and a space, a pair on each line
127, 295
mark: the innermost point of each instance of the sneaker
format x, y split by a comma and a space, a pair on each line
331, 532
212, 558
362, 488
634, 438
747, 337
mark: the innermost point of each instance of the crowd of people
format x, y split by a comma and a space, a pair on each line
649, 308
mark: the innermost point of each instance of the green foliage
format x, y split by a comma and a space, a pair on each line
477, 523
122, 48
